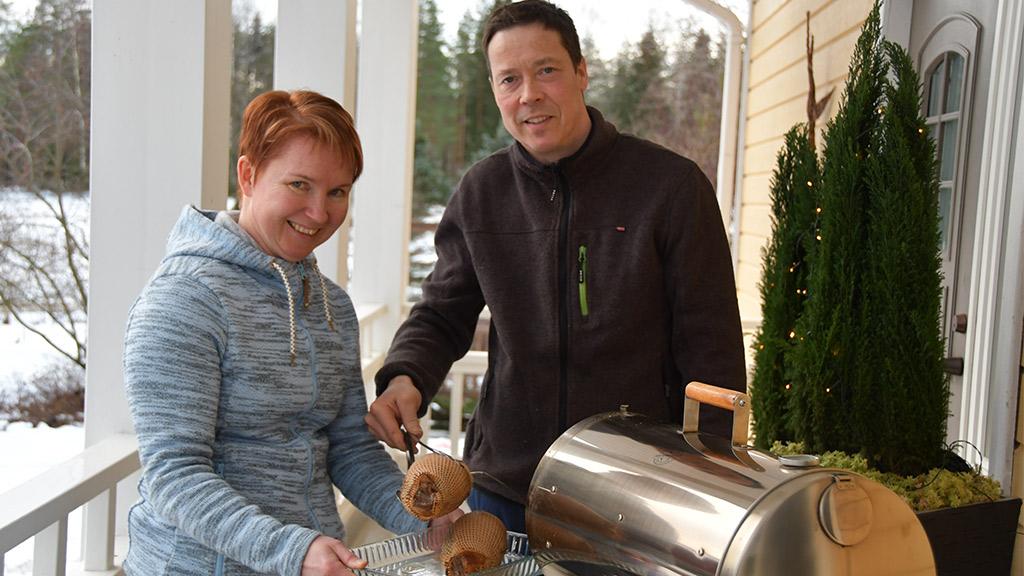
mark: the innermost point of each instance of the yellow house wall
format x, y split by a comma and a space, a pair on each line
777, 99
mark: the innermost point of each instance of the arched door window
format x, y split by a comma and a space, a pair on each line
946, 106
944, 102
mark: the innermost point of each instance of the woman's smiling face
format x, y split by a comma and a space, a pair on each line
298, 199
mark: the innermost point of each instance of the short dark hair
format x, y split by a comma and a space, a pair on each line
526, 12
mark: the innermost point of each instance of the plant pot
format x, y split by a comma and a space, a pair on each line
974, 540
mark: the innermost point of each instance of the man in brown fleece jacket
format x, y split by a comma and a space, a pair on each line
601, 256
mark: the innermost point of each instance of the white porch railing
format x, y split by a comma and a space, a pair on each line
472, 365
373, 359
40, 507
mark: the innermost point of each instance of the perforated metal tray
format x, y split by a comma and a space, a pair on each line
419, 554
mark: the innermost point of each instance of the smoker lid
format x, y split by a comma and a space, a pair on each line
829, 522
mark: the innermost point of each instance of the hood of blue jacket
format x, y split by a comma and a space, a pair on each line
198, 234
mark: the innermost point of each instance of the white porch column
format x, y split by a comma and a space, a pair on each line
315, 48
992, 356
386, 120
160, 98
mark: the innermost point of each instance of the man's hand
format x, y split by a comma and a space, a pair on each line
395, 407
329, 557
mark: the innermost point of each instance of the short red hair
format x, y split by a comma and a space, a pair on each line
273, 117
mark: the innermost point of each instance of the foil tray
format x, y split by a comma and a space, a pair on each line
419, 554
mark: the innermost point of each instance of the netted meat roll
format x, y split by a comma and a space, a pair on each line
434, 486
477, 541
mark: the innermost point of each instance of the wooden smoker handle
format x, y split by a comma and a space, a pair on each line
738, 403
721, 397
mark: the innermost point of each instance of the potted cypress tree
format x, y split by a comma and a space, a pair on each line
861, 372
783, 283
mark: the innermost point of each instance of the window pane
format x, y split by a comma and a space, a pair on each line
954, 82
935, 90
947, 159
945, 201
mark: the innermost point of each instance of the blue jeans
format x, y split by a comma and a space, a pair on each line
511, 513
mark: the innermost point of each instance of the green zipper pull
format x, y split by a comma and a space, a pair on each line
584, 308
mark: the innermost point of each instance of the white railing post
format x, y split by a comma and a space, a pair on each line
98, 537
473, 364
370, 315
51, 550
455, 412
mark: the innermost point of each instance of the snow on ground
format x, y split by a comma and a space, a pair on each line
26, 452
24, 353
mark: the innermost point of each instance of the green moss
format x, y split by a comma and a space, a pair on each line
936, 488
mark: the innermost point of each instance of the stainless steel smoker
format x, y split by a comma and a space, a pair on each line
620, 493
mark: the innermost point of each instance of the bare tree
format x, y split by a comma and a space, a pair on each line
41, 280
44, 103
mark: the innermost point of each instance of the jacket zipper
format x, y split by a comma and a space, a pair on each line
314, 363
584, 307
305, 286
563, 316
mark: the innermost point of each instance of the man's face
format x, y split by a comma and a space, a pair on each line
539, 92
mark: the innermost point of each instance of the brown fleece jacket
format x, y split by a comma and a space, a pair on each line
609, 281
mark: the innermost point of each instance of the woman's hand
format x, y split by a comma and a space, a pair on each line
447, 519
329, 557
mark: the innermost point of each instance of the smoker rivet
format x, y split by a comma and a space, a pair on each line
554, 488
700, 552
547, 543
621, 517
743, 403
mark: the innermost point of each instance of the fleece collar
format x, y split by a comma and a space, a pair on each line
591, 156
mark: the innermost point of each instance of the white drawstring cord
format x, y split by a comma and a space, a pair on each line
323, 292
291, 308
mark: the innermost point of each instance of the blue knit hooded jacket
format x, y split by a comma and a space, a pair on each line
245, 386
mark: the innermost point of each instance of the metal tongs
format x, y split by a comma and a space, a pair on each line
410, 448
